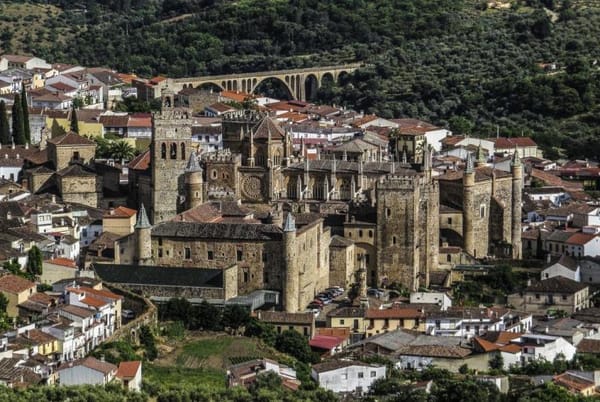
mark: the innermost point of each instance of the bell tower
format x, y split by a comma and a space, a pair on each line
169, 150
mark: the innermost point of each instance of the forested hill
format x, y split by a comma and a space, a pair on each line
453, 62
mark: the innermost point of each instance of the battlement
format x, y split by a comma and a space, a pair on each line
243, 116
221, 156
172, 114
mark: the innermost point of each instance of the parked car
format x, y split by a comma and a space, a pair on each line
375, 292
128, 314
313, 306
317, 301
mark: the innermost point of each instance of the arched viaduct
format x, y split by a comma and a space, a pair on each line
296, 81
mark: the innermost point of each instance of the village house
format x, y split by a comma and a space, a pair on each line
389, 319
130, 375
244, 374
565, 267
556, 293
304, 323
16, 290
343, 376
87, 371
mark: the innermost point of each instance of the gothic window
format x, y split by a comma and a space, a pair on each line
173, 151
482, 211
214, 174
183, 151
163, 151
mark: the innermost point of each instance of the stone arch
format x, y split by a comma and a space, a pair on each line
311, 86
342, 76
292, 187
243, 85
163, 151
452, 237
280, 82
183, 150
173, 151
212, 85
327, 79
235, 85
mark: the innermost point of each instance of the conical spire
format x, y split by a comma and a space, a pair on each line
516, 160
290, 223
193, 165
469, 168
142, 219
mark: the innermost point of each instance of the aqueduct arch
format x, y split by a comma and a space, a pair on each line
294, 80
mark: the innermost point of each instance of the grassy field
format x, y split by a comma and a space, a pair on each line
202, 359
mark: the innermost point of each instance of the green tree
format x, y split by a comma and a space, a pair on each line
74, 123
496, 362
121, 150
208, 317
3, 304
296, 345
147, 340
4, 125
25, 107
13, 267
56, 130
235, 317
34, 262
17, 122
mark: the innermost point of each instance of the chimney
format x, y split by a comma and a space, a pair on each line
548, 257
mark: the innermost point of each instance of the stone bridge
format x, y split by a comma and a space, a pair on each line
301, 83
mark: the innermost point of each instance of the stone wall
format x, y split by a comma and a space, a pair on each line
83, 189
62, 155
341, 265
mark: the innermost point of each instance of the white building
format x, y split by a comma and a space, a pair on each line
583, 245
470, 322
439, 298
130, 375
566, 267
88, 371
347, 376
544, 347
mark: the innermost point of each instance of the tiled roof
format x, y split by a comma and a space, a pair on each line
71, 138
160, 276
140, 122
579, 239
77, 311
286, 318
338, 364
398, 313
231, 231
128, 370
65, 262
120, 212
75, 170
340, 241
589, 346
567, 262
38, 336
347, 312
325, 342
456, 352
511, 143
140, 162
268, 127
556, 285
15, 284
110, 121
91, 363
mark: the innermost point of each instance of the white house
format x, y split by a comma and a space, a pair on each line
566, 267
85, 320
556, 195
439, 298
88, 371
347, 376
130, 375
544, 347
583, 245
26, 62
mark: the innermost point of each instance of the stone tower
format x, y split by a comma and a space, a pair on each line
517, 185
170, 146
407, 233
143, 239
292, 275
469, 206
194, 183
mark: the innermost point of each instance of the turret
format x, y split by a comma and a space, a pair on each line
480, 157
292, 274
469, 206
516, 168
143, 237
194, 182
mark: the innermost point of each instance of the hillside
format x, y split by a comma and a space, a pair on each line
465, 64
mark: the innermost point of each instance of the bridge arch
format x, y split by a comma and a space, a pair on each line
311, 86
291, 94
214, 85
342, 76
327, 79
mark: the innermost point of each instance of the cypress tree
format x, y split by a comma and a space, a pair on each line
4, 126
74, 122
17, 120
26, 128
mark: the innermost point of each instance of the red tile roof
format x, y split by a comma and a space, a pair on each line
71, 138
325, 342
140, 162
65, 262
580, 239
128, 370
120, 212
511, 143
15, 284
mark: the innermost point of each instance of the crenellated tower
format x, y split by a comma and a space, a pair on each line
517, 185
194, 182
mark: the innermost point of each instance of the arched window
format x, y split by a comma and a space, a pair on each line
183, 151
173, 151
163, 151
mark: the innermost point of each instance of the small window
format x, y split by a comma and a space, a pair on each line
449, 221
360, 233
482, 211
344, 376
173, 151
373, 374
160, 241
370, 233
361, 375
342, 322
394, 240
240, 255
564, 297
214, 174
163, 151
388, 212
160, 253
245, 277
448, 258
537, 297
211, 255
305, 331
188, 253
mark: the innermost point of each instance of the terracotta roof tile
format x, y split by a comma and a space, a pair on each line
128, 369
140, 162
15, 284
71, 138
65, 262
120, 212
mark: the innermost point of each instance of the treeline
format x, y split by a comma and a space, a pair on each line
21, 132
